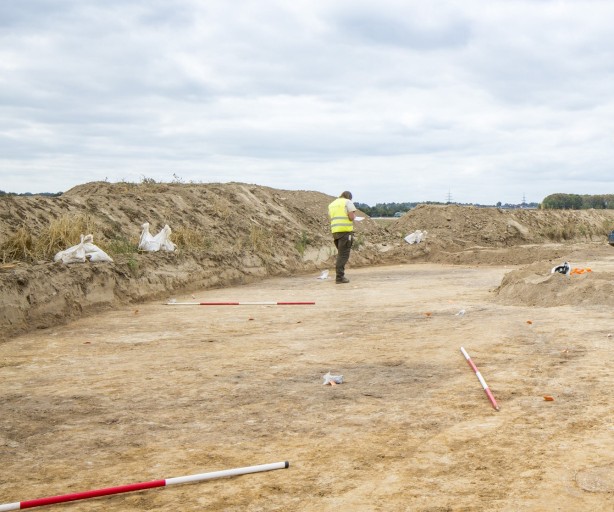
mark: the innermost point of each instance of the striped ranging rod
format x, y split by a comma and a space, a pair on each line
481, 379
19, 505
263, 303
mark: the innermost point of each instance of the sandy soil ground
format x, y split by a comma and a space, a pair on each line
155, 391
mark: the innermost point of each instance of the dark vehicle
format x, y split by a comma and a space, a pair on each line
611, 238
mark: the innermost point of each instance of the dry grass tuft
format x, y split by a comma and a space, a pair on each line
191, 239
569, 231
18, 247
260, 240
64, 232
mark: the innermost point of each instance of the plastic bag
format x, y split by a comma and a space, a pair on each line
416, 237
83, 251
332, 379
159, 242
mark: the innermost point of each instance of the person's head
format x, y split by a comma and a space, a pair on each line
346, 194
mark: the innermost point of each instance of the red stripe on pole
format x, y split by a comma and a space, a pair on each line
481, 379
141, 486
91, 494
473, 366
491, 398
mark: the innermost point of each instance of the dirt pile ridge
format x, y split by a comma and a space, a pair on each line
236, 233
466, 226
244, 232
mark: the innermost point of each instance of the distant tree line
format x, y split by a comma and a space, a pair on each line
48, 194
390, 209
385, 209
578, 202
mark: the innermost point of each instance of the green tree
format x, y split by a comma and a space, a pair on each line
563, 202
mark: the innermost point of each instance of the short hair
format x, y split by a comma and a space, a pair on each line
346, 194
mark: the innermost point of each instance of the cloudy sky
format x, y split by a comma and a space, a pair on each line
478, 101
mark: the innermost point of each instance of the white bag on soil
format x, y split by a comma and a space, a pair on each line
416, 237
332, 379
82, 252
156, 243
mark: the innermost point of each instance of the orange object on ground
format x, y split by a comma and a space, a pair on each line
548, 398
577, 270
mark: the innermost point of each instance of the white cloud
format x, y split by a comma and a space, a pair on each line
397, 101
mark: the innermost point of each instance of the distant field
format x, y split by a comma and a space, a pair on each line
384, 220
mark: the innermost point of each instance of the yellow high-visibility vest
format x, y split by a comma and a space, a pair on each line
339, 220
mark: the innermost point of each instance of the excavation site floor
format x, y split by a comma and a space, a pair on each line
157, 391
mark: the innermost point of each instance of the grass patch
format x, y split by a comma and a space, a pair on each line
133, 266
302, 243
117, 246
191, 239
66, 232
569, 231
260, 240
18, 247
62, 233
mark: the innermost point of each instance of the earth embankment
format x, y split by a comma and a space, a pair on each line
236, 233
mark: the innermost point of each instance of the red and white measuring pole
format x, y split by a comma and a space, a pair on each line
481, 379
263, 303
19, 505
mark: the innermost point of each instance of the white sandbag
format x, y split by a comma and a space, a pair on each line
82, 252
93, 252
74, 254
96, 254
164, 237
146, 242
416, 237
159, 242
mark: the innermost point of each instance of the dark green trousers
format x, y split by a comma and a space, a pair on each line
343, 243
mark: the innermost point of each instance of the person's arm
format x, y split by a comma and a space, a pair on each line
351, 209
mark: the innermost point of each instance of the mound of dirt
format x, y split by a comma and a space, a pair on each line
463, 226
235, 233
537, 285
244, 232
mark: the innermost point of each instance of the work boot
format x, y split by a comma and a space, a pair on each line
342, 280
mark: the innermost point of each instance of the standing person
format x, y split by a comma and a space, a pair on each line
342, 212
